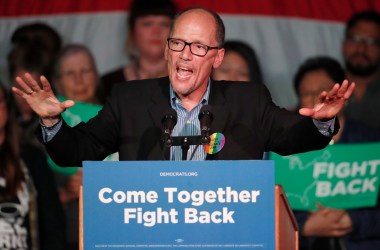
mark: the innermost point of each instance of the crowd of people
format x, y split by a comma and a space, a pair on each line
335, 228
171, 50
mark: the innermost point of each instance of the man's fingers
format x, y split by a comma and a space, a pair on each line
67, 104
18, 91
350, 90
333, 91
45, 84
342, 89
306, 112
31, 82
24, 87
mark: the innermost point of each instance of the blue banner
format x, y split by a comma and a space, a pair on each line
186, 204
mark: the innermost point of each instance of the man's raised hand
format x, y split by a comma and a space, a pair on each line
41, 99
330, 103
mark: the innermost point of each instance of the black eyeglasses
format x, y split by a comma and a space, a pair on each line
357, 39
197, 49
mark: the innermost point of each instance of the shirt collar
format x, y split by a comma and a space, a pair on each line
204, 99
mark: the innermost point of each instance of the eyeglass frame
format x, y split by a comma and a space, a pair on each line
357, 39
187, 43
73, 74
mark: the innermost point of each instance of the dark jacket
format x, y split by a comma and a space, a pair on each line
130, 123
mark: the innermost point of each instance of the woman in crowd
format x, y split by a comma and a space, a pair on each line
75, 78
31, 216
34, 47
149, 23
75, 75
239, 64
22, 59
38, 37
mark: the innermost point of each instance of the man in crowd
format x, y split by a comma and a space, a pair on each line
361, 52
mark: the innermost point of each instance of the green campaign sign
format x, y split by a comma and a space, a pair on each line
79, 112
72, 116
339, 176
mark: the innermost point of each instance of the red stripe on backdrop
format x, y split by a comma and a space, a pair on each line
337, 10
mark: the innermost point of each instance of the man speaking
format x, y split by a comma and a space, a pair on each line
245, 121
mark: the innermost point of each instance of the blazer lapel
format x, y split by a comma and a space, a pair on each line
159, 103
220, 111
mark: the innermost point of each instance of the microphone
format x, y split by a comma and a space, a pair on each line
168, 122
205, 117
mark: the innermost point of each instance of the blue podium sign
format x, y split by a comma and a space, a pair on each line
179, 205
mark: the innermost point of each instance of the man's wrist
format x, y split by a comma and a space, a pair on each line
326, 119
325, 127
50, 122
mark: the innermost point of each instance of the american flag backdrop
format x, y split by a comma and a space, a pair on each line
283, 32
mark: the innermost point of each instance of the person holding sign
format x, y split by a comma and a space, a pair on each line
131, 120
329, 228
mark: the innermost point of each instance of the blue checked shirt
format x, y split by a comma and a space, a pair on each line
187, 124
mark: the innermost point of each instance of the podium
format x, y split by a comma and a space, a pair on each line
286, 224
282, 235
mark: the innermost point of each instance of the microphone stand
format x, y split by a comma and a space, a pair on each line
185, 142
205, 118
